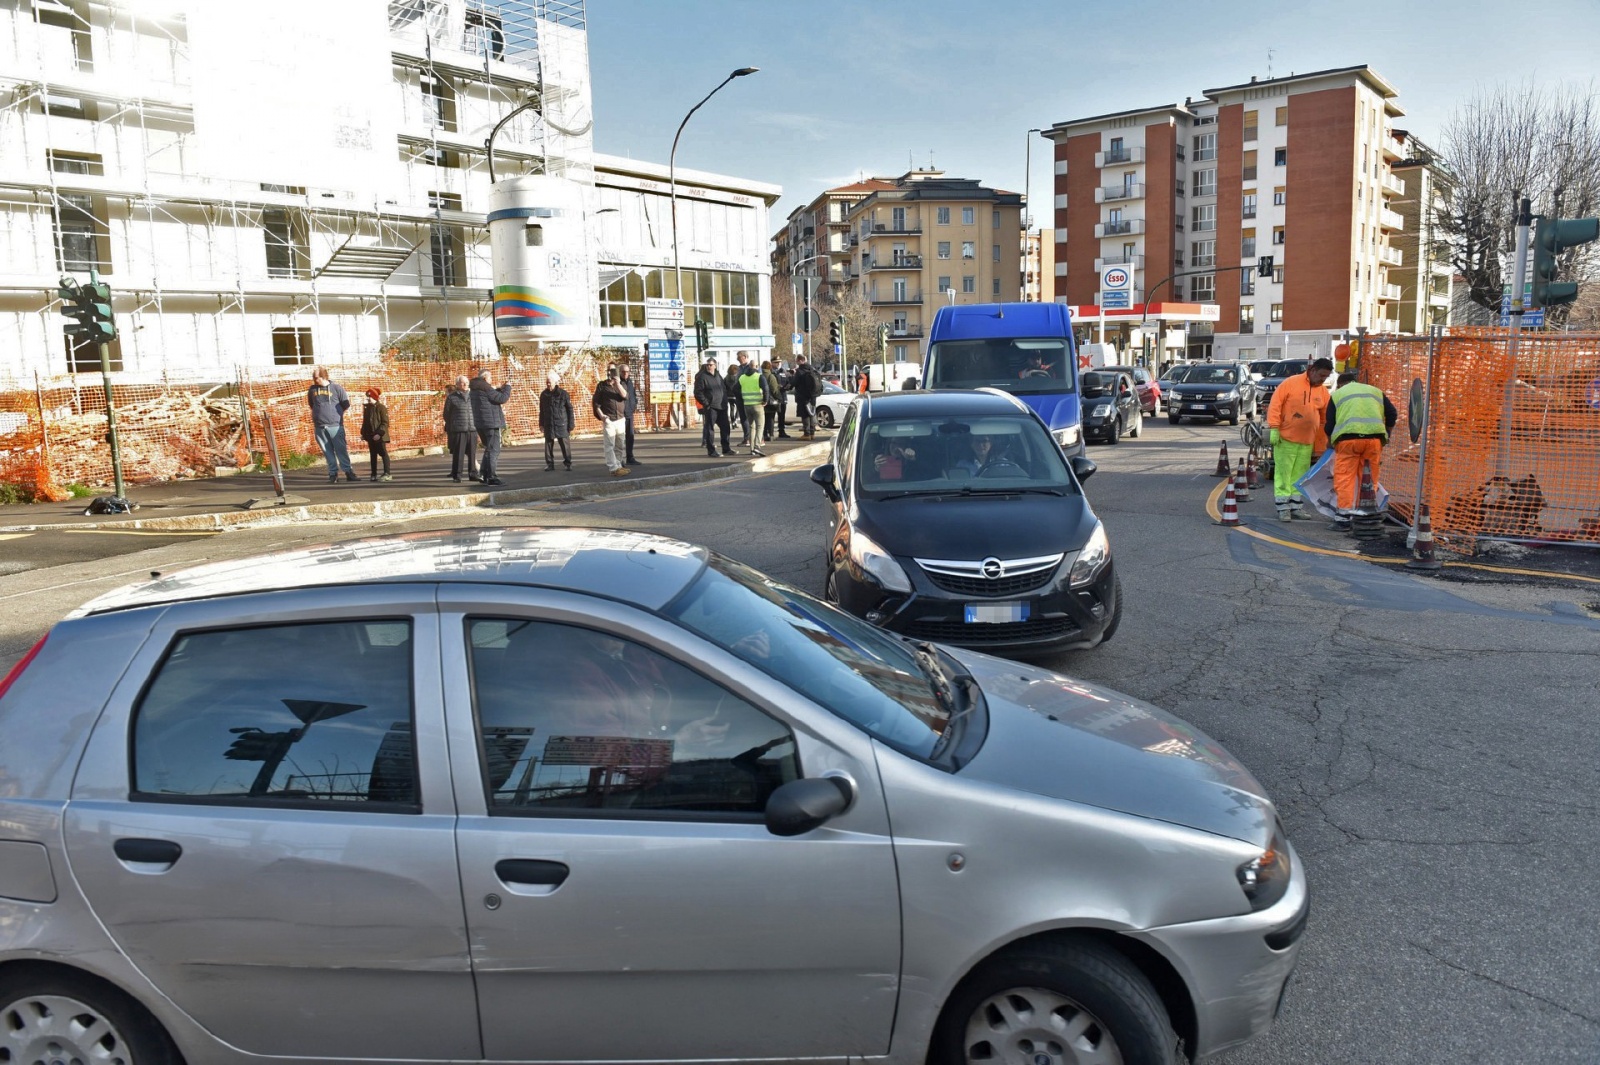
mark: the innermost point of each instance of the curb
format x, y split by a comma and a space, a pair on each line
217, 521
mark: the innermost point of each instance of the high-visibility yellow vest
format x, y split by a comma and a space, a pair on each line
1358, 411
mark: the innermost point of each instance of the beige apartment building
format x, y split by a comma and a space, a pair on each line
1426, 271
1192, 197
815, 242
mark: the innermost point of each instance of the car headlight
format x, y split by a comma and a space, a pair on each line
1101, 410
1266, 878
1092, 559
1232, 393
1066, 437
877, 563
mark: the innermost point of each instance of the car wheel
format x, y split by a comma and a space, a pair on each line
1233, 416
1138, 424
830, 588
1077, 1002
1116, 611
59, 1017
825, 417
1114, 434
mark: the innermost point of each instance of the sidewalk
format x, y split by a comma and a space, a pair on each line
421, 483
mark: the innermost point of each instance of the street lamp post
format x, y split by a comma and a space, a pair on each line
1027, 205
672, 184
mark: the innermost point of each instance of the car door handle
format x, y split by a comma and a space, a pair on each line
148, 852
532, 872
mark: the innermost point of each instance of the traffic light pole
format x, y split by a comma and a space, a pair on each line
1519, 285
111, 421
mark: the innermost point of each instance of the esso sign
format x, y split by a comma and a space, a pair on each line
1115, 278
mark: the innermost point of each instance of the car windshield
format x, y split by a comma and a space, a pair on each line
1212, 375
992, 452
1290, 367
855, 670
1179, 374
1263, 366
1095, 383
1016, 364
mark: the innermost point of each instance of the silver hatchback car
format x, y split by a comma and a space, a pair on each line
593, 796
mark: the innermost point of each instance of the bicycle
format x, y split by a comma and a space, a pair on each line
1257, 442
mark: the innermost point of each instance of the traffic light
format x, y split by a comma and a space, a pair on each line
89, 308
702, 334
883, 342
1264, 266
1551, 237
836, 332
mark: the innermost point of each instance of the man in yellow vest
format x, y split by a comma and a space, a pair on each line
1358, 422
1295, 418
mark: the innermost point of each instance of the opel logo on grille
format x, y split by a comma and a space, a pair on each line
993, 569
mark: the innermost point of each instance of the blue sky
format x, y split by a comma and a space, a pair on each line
856, 87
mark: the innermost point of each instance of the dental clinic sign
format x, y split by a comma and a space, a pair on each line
1116, 288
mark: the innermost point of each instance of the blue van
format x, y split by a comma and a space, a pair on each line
1024, 348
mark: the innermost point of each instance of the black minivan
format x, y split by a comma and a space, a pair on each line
958, 519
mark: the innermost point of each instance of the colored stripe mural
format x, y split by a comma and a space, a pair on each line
522, 305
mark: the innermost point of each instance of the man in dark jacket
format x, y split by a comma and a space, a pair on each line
490, 419
711, 396
730, 384
785, 387
556, 419
611, 407
632, 389
459, 428
328, 403
772, 398
807, 387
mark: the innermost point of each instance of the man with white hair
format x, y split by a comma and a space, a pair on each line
460, 430
556, 420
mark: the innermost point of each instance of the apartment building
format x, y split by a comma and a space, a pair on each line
1039, 266
1191, 197
815, 241
1425, 274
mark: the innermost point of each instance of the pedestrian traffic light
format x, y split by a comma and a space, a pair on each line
702, 334
1551, 237
1264, 266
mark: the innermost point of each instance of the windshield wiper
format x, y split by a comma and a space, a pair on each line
954, 688
906, 493
1013, 491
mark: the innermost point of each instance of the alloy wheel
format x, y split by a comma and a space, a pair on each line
56, 1030
1033, 1026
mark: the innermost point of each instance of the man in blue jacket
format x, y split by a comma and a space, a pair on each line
328, 403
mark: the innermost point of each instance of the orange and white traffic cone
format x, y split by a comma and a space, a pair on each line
1224, 468
1423, 557
1230, 507
1252, 476
1241, 484
1367, 523
1368, 503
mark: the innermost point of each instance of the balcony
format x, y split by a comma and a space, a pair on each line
1386, 325
1391, 150
1390, 220
1136, 261
808, 232
906, 332
895, 299
1393, 186
1119, 155
837, 222
1389, 293
893, 227
1438, 299
1391, 256
899, 262
1124, 228
1112, 193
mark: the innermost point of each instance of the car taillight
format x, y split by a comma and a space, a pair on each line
22, 664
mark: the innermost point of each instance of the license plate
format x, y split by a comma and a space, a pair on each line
1197, 406
993, 613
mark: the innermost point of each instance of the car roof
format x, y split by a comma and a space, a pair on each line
634, 567
937, 403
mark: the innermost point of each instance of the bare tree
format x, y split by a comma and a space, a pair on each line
860, 324
1510, 141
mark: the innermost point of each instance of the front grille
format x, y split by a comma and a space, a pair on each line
958, 632
985, 588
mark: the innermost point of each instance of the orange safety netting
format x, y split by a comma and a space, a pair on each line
1513, 450
53, 432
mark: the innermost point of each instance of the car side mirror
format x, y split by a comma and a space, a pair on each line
827, 478
1083, 467
802, 805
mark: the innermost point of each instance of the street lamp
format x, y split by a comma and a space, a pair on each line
672, 183
1027, 203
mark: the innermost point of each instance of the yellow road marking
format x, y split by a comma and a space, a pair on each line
142, 532
14, 536
1212, 508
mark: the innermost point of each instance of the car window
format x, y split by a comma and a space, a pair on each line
1179, 374
1000, 452
1016, 364
1142, 376
307, 714
856, 671
1212, 375
1095, 382
572, 719
845, 448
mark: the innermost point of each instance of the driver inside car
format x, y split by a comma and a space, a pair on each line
982, 453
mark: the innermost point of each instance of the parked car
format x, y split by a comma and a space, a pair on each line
455, 795
1110, 406
956, 518
1212, 390
1281, 371
1145, 385
1261, 368
831, 405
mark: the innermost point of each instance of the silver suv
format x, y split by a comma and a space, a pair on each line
581, 795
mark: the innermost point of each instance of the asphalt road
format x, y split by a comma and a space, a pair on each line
1430, 743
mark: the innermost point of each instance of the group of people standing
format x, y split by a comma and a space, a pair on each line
1305, 419
473, 416
755, 397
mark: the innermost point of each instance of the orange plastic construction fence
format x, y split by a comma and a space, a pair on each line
1512, 433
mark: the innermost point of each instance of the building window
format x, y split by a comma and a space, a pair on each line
969, 215
969, 249
1277, 274
1277, 234
1247, 281
58, 106
1279, 196
438, 103
1280, 117
725, 299
899, 289
1249, 205
288, 251
1249, 171
1277, 312
944, 283
445, 244
75, 162
942, 216
897, 219
1203, 288
996, 217
1247, 244
996, 253
69, 16
996, 286
1250, 124
291, 347
1247, 319
1205, 182
1205, 147
1129, 250
1203, 219
83, 240
83, 355
1114, 149
1203, 253
944, 249
1280, 157
1114, 216
969, 283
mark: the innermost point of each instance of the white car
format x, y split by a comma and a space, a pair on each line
831, 406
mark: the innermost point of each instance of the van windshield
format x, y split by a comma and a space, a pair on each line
1017, 364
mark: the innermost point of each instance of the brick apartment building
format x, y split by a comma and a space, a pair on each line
1190, 197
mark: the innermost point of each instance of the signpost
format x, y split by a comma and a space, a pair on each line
1116, 293
663, 321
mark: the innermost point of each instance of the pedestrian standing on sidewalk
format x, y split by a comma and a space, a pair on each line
785, 386
632, 390
807, 387
459, 430
611, 407
730, 384
772, 396
753, 395
375, 431
328, 403
556, 419
1358, 422
1295, 419
490, 420
711, 396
